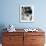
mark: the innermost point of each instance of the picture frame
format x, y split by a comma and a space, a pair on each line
26, 13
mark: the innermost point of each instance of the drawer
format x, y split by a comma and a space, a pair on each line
13, 33
8, 45
12, 44
37, 39
37, 44
12, 39
34, 33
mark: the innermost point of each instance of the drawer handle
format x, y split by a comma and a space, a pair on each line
11, 38
33, 39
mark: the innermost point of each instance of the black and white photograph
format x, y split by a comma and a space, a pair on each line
26, 13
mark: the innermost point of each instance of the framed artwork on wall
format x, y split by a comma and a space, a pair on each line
26, 13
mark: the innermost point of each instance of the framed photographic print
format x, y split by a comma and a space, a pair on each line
26, 13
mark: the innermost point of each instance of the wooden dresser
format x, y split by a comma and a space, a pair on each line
23, 38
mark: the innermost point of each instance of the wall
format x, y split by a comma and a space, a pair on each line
9, 13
